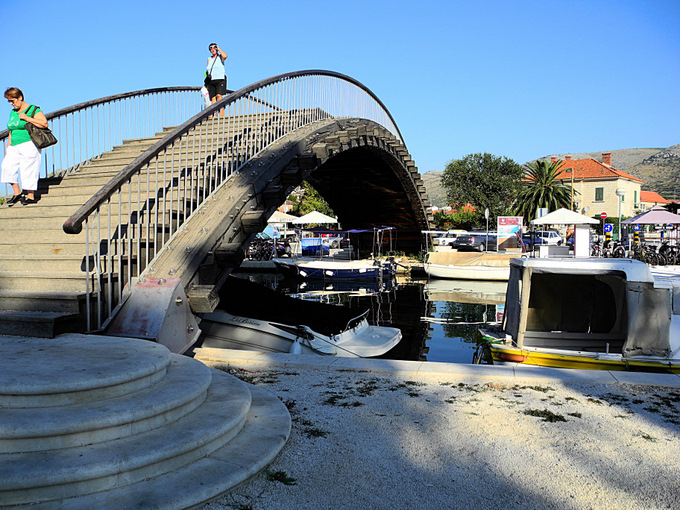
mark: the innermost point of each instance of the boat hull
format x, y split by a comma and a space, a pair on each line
333, 270
558, 358
224, 330
468, 272
469, 266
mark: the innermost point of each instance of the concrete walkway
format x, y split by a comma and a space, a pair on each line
507, 372
382, 434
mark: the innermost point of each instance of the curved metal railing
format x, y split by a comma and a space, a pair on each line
89, 129
133, 217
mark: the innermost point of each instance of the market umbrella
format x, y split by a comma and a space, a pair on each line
281, 217
314, 217
564, 217
657, 215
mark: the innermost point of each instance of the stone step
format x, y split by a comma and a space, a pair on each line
60, 246
76, 368
56, 427
45, 281
53, 214
66, 263
70, 472
69, 303
264, 434
41, 324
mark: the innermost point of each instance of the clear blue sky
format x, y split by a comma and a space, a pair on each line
521, 79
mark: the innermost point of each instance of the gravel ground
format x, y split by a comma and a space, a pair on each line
374, 441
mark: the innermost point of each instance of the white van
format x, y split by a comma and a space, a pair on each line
448, 238
550, 237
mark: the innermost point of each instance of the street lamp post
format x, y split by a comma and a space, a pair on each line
619, 193
486, 215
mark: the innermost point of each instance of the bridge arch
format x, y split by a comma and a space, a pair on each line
363, 171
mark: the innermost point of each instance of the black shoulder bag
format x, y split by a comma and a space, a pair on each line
41, 137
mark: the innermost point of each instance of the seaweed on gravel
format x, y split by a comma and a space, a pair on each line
281, 476
548, 416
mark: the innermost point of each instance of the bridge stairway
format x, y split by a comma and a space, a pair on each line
139, 428
43, 270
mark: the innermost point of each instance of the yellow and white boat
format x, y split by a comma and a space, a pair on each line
604, 314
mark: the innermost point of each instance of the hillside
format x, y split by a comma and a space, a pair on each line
659, 168
435, 192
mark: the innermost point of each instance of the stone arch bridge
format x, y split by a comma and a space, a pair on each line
127, 201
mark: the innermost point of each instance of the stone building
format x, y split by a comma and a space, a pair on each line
597, 182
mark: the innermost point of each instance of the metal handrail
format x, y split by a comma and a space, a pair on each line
74, 224
87, 130
139, 211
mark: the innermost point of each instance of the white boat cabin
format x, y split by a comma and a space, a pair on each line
607, 306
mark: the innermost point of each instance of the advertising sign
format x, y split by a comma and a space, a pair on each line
509, 227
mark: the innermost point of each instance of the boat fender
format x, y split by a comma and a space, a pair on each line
295, 347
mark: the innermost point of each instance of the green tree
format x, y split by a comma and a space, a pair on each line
541, 188
465, 220
309, 201
485, 181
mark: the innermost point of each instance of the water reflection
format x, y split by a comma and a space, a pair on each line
438, 318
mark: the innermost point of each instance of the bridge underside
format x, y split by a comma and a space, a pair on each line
363, 188
361, 169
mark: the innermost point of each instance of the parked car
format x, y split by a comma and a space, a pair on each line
539, 237
335, 241
532, 239
448, 238
476, 241
551, 237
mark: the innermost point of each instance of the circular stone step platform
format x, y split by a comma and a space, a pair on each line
75, 368
88, 420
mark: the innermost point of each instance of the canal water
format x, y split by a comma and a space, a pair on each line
438, 318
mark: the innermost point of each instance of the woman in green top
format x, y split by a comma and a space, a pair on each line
22, 157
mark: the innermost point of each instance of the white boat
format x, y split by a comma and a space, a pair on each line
251, 317
469, 266
610, 314
332, 269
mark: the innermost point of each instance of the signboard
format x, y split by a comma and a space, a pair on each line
500, 311
609, 227
603, 215
636, 228
508, 229
663, 227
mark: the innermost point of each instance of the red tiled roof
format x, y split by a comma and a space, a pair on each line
652, 197
590, 168
461, 208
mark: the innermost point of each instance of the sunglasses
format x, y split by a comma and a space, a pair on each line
213, 47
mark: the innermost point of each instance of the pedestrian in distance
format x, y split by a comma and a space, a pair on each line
22, 158
216, 76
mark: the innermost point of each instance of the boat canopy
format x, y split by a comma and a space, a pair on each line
470, 258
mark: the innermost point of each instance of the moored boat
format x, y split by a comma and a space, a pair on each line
469, 266
609, 314
331, 269
251, 317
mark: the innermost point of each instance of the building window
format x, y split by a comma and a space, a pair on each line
635, 197
599, 194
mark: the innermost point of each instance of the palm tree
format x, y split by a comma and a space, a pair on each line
541, 188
